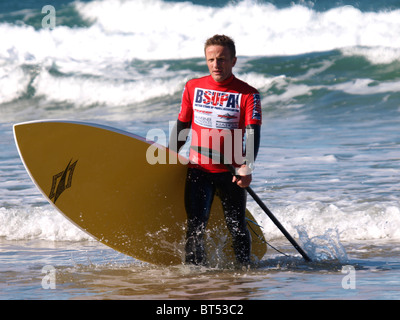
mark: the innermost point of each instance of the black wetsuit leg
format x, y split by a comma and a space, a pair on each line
199, 193
233, 200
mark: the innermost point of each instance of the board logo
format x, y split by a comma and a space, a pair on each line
62, 181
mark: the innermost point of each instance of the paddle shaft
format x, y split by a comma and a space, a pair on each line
277, 223
211, 153
272, 217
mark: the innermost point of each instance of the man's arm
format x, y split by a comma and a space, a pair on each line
253, 136
244, 173
179, 135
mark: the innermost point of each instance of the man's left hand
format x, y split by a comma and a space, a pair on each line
243, 177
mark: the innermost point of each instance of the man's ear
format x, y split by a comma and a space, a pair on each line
234, 61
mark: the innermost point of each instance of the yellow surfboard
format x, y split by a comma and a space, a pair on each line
99, 178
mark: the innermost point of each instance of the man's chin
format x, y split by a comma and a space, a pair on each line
218, 78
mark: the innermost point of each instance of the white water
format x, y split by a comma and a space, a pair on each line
98, 63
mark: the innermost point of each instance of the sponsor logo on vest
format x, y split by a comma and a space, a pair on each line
217, 98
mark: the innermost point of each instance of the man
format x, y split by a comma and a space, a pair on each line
218, 108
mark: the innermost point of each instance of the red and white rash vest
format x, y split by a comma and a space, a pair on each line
218, 113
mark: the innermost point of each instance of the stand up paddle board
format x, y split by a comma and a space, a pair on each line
99, 178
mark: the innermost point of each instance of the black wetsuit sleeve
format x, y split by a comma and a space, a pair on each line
179, 135
253, 137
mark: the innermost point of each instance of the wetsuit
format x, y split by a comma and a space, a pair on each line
218, 114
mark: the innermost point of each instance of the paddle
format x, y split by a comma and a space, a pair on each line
212, 154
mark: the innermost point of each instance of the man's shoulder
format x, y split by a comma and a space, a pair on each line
244, 87
197, 81
235, 85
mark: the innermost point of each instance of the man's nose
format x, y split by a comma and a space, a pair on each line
217, 63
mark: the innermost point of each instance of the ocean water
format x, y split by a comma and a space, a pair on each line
329, 162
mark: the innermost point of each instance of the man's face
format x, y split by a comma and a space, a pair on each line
219, 62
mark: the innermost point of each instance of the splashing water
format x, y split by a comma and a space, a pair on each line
323, 247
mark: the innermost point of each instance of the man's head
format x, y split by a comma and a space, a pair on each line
220, 55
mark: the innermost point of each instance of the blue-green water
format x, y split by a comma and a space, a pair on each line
329, 164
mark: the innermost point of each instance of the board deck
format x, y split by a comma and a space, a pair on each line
99, 178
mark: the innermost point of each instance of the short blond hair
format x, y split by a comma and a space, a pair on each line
221, 40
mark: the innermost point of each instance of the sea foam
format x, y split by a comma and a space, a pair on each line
96, 64
38, 223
